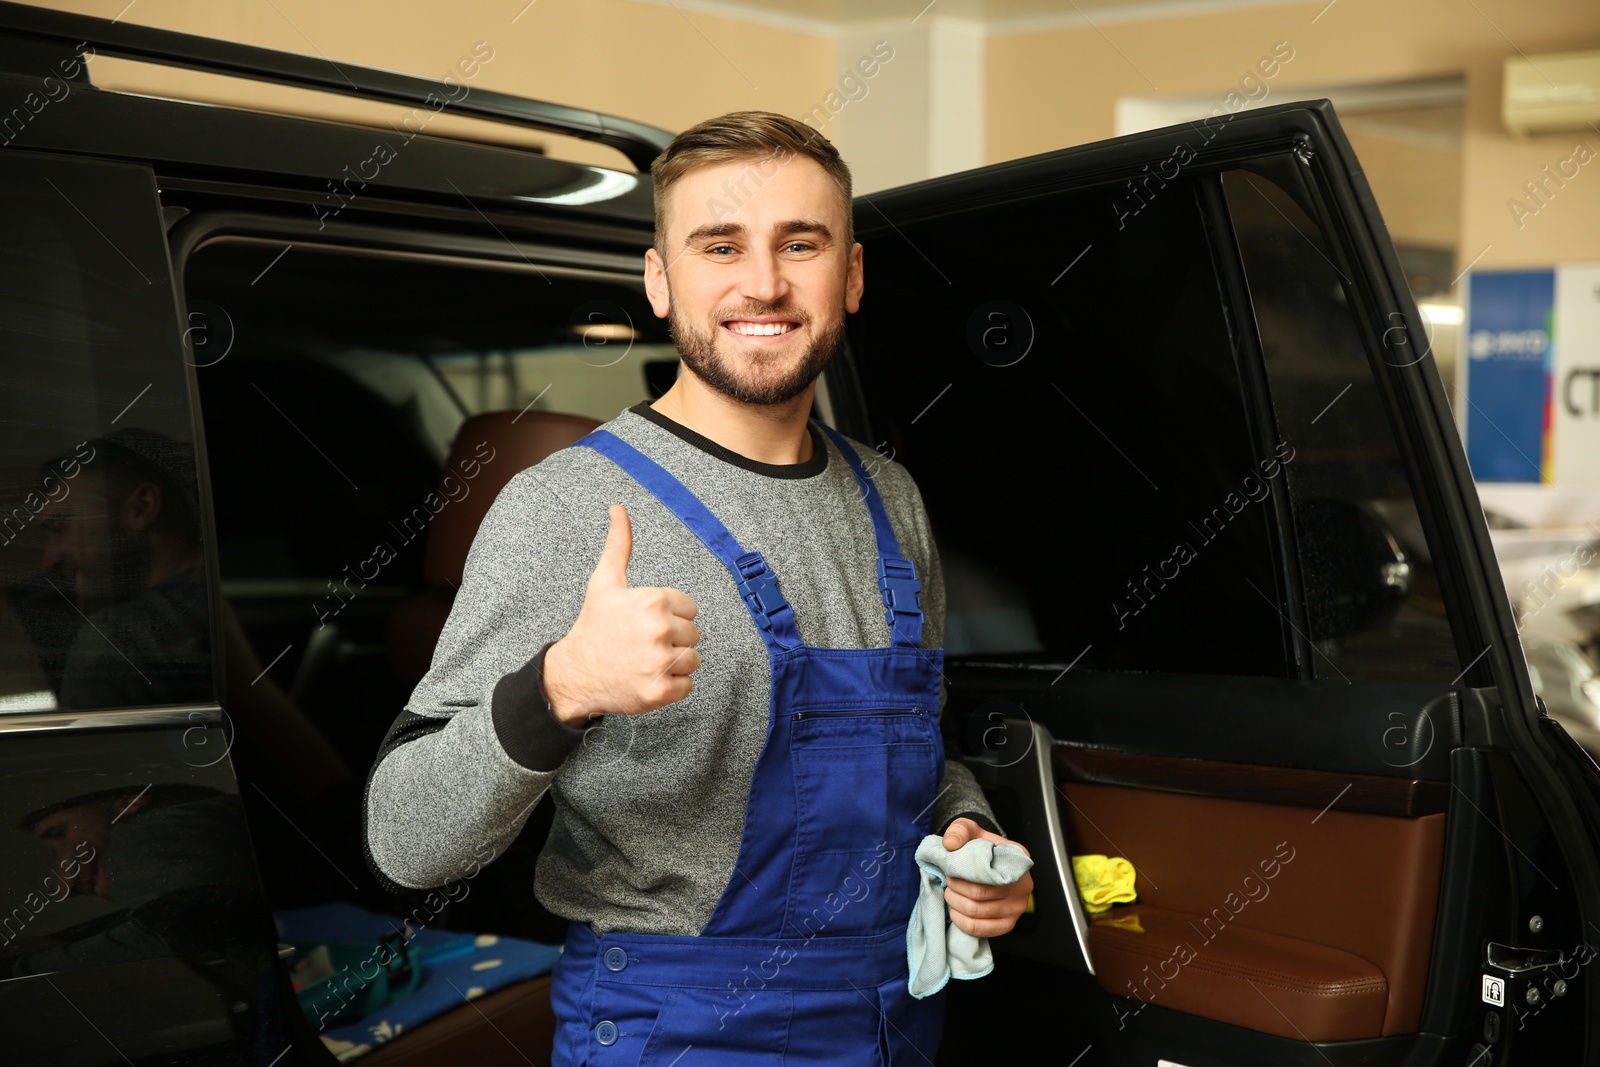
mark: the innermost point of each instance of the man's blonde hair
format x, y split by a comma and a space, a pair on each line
751, 136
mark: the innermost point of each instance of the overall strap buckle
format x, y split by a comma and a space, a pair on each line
759, 588
902, 592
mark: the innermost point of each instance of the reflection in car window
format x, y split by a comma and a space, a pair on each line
104, 597
1059, 378
167, 861
126, 874
1373, 602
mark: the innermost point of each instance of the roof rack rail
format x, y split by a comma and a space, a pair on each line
639, 142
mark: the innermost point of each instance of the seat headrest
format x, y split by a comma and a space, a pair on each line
497, 445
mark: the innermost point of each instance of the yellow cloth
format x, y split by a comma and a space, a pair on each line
1103, 881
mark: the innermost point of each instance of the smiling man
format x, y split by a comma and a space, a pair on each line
712, 639
773, 342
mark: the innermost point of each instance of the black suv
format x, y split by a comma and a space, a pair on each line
1221, 597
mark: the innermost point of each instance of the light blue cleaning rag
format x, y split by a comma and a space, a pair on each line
937, 949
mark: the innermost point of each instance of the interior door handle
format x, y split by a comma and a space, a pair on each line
1062, 936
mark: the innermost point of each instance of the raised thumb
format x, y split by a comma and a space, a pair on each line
612, 570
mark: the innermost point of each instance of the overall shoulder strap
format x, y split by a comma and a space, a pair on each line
758, 586
897, 576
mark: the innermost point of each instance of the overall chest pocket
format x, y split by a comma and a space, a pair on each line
865, 782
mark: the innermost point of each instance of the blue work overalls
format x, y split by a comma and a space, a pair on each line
811, 967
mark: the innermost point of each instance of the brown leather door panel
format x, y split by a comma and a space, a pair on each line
1328, 913
1282, 986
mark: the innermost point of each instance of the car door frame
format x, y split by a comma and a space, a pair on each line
1499, 712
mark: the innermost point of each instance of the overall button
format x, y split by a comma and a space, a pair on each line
606, 1033
616, 958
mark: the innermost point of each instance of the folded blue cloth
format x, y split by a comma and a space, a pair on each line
937, 949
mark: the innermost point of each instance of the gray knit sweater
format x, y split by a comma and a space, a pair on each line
649, 809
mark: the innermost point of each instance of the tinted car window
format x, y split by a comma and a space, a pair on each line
100, 551
1373, 605
1058, 375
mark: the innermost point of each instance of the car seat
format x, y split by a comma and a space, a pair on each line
519, 440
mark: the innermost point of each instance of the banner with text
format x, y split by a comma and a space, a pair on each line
1508, 371
1576, 381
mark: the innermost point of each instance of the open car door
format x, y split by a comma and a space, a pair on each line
133, 926
1221, 602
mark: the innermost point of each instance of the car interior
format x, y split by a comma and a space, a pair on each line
400, 417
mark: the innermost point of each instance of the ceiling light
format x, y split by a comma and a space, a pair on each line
604, 331
1446, 313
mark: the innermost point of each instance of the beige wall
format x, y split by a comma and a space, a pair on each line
1055, 87
1416, 181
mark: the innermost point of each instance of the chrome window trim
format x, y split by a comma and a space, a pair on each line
110, 718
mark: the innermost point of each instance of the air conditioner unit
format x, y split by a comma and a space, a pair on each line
1552, 93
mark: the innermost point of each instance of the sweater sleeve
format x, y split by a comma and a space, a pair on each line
477, 747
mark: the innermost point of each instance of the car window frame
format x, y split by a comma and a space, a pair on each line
1401, 385
1250, 364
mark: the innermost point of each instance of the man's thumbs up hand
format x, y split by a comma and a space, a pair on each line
612, 570
631, 650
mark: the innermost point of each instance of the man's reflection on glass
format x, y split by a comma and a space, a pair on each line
123, 547
172, 860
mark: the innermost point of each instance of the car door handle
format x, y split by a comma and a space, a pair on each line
1062, 936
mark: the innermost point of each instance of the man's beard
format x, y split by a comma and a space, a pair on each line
757, 382
123, 571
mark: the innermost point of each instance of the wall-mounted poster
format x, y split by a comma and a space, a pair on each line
1575, 384
1508, 375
